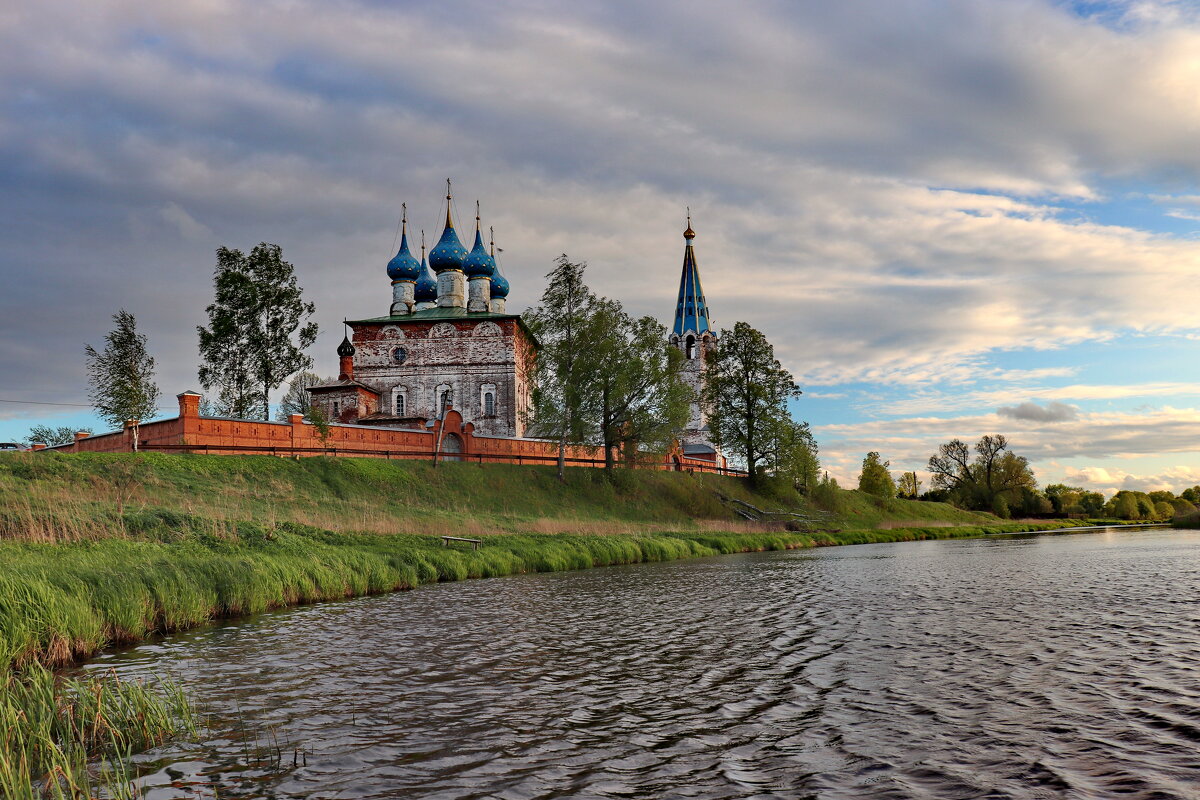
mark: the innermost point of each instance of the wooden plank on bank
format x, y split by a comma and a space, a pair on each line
446, 540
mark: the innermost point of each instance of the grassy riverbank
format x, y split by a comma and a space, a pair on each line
98, 550
60, 603
104, 549
54, 498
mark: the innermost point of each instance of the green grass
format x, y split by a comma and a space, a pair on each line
98, 550
55, 497
60, 603
54, 732
861, 510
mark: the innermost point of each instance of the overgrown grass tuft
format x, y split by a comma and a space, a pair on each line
70, 738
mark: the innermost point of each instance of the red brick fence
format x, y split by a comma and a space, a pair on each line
191, 432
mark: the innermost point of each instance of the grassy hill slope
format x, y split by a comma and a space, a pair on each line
52, 497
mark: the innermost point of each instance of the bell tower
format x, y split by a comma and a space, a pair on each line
693, 334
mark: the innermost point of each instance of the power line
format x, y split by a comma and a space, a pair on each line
42, 403
45, 403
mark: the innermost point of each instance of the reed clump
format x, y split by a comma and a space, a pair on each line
71, 737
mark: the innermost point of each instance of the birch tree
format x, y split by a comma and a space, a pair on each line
121, 376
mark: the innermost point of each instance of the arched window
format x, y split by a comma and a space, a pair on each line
691, 347
446, 401
399, 404
489, 404
337, 410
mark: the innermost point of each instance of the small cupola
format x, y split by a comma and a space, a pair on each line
404, 265
426, 288
500, 285
479, 263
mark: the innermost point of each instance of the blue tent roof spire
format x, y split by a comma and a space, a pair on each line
691, 312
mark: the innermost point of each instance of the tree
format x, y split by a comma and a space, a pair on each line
44, 434
629, 383
909, 486
745, 394
875, 478
1063, 497
1030, 502
1182, 507
1127, 504
993, 475
827, 494
557, 397
256, 336
1192, 495
1091, 503
1123, 505
121, 378
297, 400
793, 455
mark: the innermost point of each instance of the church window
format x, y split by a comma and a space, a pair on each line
399, 401
489, 404
399, 355
443, 398
337, 409
691, 347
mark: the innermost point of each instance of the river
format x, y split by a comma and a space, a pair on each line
1016, 667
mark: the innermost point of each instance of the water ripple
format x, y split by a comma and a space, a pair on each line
1032, 667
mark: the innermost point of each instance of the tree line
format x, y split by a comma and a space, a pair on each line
602, 376
990, 477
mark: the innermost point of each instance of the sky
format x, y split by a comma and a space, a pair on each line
951, 217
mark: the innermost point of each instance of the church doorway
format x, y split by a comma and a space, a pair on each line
452, 447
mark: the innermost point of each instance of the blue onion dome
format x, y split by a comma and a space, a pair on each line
404, 266
448, 253
345, 348
479, 264
499, 284
426, 288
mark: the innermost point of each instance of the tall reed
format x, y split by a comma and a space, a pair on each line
71, 738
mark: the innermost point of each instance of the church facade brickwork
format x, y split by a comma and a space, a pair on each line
420, 365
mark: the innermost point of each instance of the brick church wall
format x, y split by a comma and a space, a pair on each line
467, 356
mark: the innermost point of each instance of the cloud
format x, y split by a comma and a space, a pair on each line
923, 400
1051, 412
879, 193
1114, 479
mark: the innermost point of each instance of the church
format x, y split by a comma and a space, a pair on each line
448, 343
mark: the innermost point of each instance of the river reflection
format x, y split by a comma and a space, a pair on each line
1031, 667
